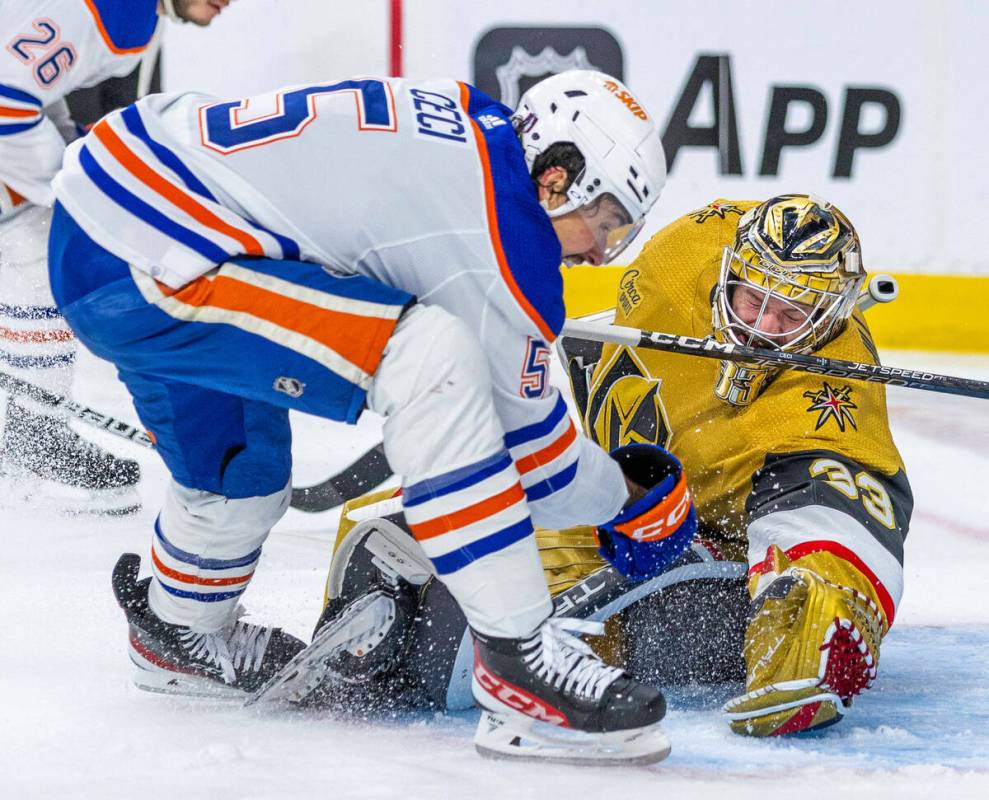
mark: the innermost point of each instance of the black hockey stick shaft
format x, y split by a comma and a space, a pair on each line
372, 469
91, 416
708, 347
364, 474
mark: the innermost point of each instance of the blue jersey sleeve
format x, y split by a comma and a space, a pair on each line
525, 243
125, 25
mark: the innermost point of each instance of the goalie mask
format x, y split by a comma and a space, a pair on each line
789, 282
624, 166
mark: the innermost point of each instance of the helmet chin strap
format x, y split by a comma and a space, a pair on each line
169, 6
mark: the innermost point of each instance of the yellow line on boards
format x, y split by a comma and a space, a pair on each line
933, 312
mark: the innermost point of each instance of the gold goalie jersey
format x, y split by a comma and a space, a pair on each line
808, 467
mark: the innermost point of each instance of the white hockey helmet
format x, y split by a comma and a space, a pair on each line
622, 151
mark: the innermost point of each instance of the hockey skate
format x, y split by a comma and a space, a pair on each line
44, 460
373, 594
172, 659
548, 697
810, 647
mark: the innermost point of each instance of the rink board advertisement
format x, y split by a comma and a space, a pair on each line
882, 114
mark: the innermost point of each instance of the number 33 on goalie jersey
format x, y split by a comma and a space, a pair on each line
418, 184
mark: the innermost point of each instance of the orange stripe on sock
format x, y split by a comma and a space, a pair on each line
15, 198
543, 457
492, 213
36, 337
183, 577
170, 192
470, 515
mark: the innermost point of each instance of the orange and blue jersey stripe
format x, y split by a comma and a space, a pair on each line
343, 325
148, 181
546, 453
19, 110
191, 577
463, 515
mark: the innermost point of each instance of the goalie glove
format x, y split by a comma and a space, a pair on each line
652, 531
810, 646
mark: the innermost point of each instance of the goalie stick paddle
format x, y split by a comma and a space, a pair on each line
91, 416
365, 473
708, 347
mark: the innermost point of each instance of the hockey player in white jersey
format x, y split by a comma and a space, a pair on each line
49, 49
376, 243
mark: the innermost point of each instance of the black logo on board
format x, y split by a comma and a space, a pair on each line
508, 61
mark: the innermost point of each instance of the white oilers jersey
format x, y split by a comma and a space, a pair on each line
421, 185
49, 48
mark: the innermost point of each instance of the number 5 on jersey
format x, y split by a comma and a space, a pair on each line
535, 369
236, 125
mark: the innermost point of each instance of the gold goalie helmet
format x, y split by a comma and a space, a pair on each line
796, 261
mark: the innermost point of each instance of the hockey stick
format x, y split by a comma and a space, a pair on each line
372, 468
90, 416
365, 473
709, 347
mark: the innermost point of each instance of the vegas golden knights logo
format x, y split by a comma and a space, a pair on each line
625, 406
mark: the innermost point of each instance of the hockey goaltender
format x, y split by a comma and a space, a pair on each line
796, 570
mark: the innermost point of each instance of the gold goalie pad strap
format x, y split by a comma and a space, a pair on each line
833, 569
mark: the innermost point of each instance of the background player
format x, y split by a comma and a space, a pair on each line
50, 48
209, 248
796, 478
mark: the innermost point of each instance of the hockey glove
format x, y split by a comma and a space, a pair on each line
652, 531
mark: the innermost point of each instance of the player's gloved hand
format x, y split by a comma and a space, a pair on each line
653, 530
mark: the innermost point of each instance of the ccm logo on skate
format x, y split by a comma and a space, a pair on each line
514, 697
662, 520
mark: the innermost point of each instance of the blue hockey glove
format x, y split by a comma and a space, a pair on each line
651, 532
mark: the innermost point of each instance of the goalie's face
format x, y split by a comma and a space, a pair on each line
771, 320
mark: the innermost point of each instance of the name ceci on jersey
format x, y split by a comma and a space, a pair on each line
438, 116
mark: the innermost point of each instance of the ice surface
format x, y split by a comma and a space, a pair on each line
71, 725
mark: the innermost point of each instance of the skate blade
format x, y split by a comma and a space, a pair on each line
310, 669
150, 678
68, 500
504, 736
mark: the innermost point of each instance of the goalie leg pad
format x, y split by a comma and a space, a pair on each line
356, 631
810, 647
